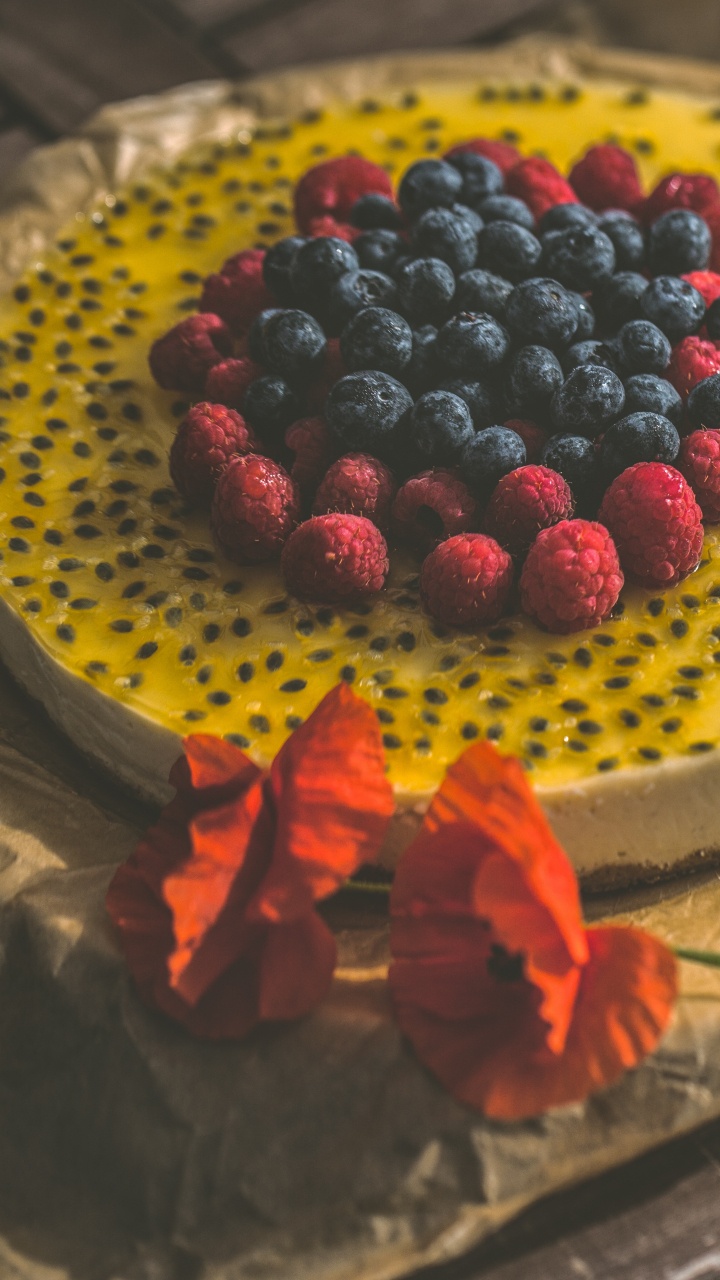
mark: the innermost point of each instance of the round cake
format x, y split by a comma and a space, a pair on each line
120, 615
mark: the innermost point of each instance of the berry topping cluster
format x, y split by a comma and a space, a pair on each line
513, 373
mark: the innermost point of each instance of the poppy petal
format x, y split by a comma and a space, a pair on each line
212, 764
298, 962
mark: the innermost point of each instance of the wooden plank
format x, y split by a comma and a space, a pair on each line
53, 94
205, 14
15, 143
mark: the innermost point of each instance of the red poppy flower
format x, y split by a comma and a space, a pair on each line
504, 994
215, 908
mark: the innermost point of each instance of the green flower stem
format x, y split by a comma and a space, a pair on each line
711, 958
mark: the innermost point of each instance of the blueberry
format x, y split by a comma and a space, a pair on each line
376, 338
535, 375
506, 209
703, 406
319, 263
278, 265
379, 250
429, 184
440, 233
617, 299
679, 241
480, 177
627, 237
641, 437
477, 397
472, 343
573, 457
591, 397
426, 287
592, 351
578, 257
294, 345
358, 289
256, 336
270, 406
712, 320
586, 317
471, 216
420, 372
366, 411
643, 348
561, 216
647, 392
440, 426
541, 311
489, 456
673, 305
482, 291
509, 250
374, 211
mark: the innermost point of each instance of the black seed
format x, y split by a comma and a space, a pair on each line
617, 682
96, 668
653, 700
187, 655
357, 632
274, 660
628, 660
672, 725
245, 672
87, 531
260, 724
156, 599
195, 575
589, 726
173, 617
679, 628
320, 655
536, 749
646, 639
204, 674
18, 544
122, 625
611, 762
305, 627
379, 644
53, 537
195, 715
575, 745
211, 632
690, 673
436, 697
687, 692
65, 632
546, 678
391, 741
276, 606
241, 627
468, 681
469, 731
583, 657
293, 686
152, 551
22, 581
104, 571
393, 692
630, 719
60, 590
494, 732
574, 705
539, 724
83, 602
133, 589
605, 641
649, 753
347, 674
219, 698
498, 703
22, 522
702, 746
655, 607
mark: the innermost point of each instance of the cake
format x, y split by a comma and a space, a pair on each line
118, 613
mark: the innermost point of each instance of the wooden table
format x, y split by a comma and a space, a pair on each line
659, 1217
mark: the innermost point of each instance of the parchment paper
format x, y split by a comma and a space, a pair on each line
323, 1150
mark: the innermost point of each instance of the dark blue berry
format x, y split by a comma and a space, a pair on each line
482, 291
535, 375
641, 437
471, 216
673, 305
256, 336
508, 250
440, 426
679, 241
426, 287
270, 406
586, 317
429, 184
627, 236
358, 289
646, 392
421, 372
478, 398
319, 263
562, 216
643, 347
703, 405
617, 299
373, 211
366, 411
294, 345
472, 343
506, 209
541, 311
376, 338
489, 456
578, 257
278, 266
379, 250
480, 177
712, 320
588, 400
441, 233
593, 351
573, 457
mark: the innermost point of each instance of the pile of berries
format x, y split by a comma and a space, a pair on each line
514, 373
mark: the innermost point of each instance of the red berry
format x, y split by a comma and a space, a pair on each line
328, 226
312, 445
466, 580
572, 576
432, 506
607, 178
707, 283
332, 371
692, 360
228, 381
181, 359
359, 485
335, 557
206, 440
503, 154
255, 508
533, 436
699, 462
524, 502
237, 292
696, 191
537, 182
330, 189
712, 217
652, 514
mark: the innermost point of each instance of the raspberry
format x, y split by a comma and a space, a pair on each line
312, 445
255, 508
707, 284
466, 581
358, 485
607, 178
572, 576
697, 191
432, 506
699, 462
328, 226
335, 557
331, 189
524, 502
181, 359
228, 381
206, 440
237, 292
692, 360
538, 183
652, 514
503, 154
333, 370
533, 436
